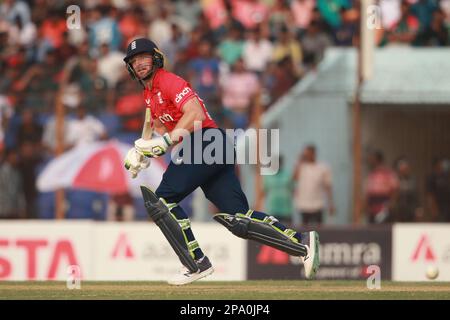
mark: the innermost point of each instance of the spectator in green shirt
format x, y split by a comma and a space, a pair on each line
278, 191
231, 48
330, 11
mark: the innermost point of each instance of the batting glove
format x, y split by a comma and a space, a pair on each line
135, 162
153, 148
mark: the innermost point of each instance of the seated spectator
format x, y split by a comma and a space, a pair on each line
10, 10
39, 48
390, 13
302, 11
280, 16
110, 65
250, 12
40, 82
160, 29
222, 26
130, 106
285, 76
189, 12
437, 34
345, 33
93, 87
257, 51
204, 74
287, 46
216, 12
79, 63
193, 45
53, 28
103, 29
239, 88
22, 35
66, 50
84, 128
230, 49
177, 43
423, 10
381, 186
330, 10
314, 42
181, 66
405, 30
131, 24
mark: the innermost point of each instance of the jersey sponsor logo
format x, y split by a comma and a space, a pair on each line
165, 118
182, 94
147, 101
160, 99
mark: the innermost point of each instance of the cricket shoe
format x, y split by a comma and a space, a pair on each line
311, 260
186, 276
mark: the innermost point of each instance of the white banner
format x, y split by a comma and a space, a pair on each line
418, 248
43, 250
139, 251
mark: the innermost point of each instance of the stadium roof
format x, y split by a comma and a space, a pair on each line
406, 75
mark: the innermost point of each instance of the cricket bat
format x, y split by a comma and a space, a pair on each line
147, 131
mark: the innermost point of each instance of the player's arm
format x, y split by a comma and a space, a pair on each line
159, 127
192, 112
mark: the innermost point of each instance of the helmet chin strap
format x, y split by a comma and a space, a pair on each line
146, 77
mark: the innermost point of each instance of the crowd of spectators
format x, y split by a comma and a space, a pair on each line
392, 194
235, 53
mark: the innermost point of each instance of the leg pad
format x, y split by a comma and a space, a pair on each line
170, 227
262, 231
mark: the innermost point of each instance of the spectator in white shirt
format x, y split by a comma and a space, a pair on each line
110, 65
314, 184
257, 51
85, 129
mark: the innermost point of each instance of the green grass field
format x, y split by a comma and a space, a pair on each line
252, 290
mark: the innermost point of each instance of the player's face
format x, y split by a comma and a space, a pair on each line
142, 64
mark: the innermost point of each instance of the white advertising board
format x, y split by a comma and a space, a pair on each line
43, 250
416, 247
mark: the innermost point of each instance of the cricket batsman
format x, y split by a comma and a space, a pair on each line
174, 109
